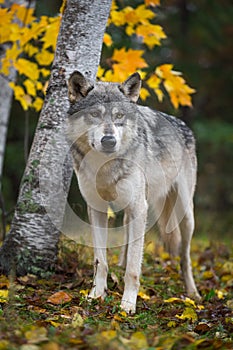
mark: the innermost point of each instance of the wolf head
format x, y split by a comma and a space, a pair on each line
104, 112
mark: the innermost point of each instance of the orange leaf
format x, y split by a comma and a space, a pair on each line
59, 298
127, 62
152, 2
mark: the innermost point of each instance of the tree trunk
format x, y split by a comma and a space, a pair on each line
31, 245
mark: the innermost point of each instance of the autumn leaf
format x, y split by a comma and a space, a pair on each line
152, 34
24, 14
36, 335
30, 87
77, 320
107, 39
111, 213
4, 295
126, 63
143, 295
175, 85
44, 58
50, 37
59, 298
152, 2
188, 314
27, 68
37, 104
144, 93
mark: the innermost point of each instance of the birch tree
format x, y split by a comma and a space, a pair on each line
31, 244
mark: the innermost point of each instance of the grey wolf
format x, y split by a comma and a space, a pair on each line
134, 158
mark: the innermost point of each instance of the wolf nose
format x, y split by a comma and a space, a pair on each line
108, 142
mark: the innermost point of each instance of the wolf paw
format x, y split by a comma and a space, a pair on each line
95, 293
128, 307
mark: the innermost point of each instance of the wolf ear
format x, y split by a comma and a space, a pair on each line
78, 86
131, 87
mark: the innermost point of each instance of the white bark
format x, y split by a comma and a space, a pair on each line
31, 244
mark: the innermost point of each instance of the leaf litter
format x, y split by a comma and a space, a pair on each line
55, 314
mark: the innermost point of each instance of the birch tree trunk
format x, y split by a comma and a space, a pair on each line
31, 245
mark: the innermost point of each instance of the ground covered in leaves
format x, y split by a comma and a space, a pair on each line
52, 313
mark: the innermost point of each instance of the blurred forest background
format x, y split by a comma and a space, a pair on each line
199, 44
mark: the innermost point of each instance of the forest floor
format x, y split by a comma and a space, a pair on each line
52, 312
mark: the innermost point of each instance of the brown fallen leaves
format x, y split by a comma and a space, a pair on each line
53, 313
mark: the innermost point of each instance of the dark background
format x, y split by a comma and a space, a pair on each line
199, 44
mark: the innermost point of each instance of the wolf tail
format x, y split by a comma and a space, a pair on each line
169, 226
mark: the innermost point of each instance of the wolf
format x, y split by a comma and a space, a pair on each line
137, 160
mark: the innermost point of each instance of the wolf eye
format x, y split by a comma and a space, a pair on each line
119, 115
95, 114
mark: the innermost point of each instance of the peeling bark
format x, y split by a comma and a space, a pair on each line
31, 245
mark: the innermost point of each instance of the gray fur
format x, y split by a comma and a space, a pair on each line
151, 165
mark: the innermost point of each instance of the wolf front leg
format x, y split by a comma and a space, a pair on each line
99, 222
136, 215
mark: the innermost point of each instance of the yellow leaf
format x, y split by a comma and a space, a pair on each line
143, 296
188, 314
130, 30
44, 72
59, 298
100, 72
189, 301
111, 213
159, 94
117, 18
170, 300
31, 50
24, 14
111, 334
19, 94
36, 335
37, 104
220, 294
154, 81
144, 14
39, 86
44, 58
107, 39
27, 68
138, 341
123, 313
207, 275
144, 93
4, 282
77, 320
171, 324
4, 295
30, 87
84, 292
50, 36
175, 85
152, 34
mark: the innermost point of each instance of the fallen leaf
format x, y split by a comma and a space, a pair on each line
36, 335
59, 298
188, 314
77, 320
